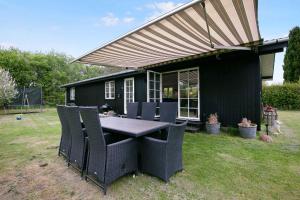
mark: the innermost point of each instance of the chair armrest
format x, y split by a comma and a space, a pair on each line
120, 143
154, 156
153, 145
154, 140
111, 138
122, 149
121, 159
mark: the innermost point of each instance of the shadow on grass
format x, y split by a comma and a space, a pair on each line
231, 131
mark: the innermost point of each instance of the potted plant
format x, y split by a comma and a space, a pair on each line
247, 129
212, 124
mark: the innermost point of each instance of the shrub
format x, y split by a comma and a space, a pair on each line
7, 88
286, 96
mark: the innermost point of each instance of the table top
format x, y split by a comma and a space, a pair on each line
132, 127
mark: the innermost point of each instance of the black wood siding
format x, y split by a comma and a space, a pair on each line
230, 85
93, 94
232, 89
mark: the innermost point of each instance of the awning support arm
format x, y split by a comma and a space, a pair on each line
208, 30
209, 35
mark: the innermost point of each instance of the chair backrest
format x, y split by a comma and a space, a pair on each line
97, 144
176, 132
132, 110
65, 132
148, 110
77, 135
174, 146
168, 112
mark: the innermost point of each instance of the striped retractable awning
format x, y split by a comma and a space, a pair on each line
181, 33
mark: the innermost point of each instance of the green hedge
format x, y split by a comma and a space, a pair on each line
286, 96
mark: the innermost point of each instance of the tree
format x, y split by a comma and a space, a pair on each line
48, 71
7, 88
291, 65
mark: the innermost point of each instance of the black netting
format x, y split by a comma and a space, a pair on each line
28, 96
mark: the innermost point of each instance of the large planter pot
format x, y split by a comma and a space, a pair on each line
213, 128
248, 132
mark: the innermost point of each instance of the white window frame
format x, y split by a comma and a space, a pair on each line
160, 88
72, 94
178, 101
198, 86
109, 94
125, 90
148, 85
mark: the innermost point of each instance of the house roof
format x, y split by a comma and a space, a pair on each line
267, 53
195, 28
105, 77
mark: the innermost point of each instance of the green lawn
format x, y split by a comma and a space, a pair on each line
215, 167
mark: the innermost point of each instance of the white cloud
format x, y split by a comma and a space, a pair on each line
110, 20
159, 8
164, 6
128, 20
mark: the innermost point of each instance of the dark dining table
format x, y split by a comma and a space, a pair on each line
132, 127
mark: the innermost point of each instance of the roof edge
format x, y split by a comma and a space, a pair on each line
99, 78
273, 46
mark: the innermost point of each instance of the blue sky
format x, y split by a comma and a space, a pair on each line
76, 26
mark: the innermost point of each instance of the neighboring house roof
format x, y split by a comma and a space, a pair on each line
194, 29
105, 77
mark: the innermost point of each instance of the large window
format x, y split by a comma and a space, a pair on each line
110, 90
188, 94
72, 94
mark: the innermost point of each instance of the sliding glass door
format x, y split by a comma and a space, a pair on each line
170, 87
177, 86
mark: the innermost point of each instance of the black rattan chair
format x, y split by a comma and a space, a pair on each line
162, 158
168, 112
78, 138
148, 110
108, 158
65, 140
132, 110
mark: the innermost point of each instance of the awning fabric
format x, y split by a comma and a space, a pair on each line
181, 33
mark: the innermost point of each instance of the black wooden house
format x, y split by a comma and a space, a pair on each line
206, 55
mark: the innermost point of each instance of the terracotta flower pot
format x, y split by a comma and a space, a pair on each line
213, 128
248, 132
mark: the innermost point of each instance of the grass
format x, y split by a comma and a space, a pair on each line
215, 167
